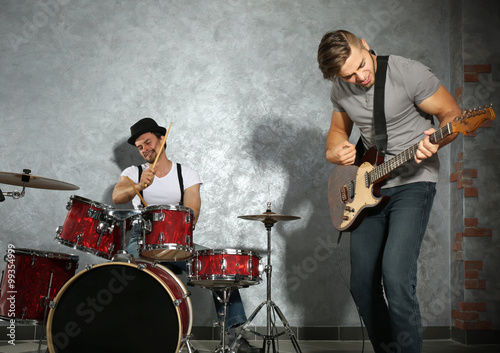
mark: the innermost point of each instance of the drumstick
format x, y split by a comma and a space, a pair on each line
137, 192
161, 147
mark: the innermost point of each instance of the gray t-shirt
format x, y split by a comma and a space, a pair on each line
408, 83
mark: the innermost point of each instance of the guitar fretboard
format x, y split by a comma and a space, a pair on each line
386, 167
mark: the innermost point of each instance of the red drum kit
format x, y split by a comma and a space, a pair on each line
103, 307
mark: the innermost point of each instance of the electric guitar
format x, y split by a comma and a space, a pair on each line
352, 189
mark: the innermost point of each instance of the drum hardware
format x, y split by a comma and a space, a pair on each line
269, 219
25, 179
226, 294
122, 216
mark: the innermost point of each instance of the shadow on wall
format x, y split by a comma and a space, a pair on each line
308, 265
125, 155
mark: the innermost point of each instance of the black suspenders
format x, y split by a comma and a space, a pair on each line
179, 175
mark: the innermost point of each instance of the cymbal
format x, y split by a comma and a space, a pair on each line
269, 217
32, 181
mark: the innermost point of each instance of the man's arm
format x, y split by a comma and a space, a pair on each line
124, 192
338, 148
442, 105
192, 199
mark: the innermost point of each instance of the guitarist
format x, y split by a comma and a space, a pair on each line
386, 245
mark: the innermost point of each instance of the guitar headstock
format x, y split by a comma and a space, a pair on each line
471, 119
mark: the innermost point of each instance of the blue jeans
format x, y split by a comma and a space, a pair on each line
384, 253
235, 310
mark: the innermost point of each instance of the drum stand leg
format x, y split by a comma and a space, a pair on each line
187, 342
46, 303
226, 293
269, 338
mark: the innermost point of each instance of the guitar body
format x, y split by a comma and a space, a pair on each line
349, 196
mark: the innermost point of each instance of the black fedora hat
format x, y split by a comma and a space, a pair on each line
143, 126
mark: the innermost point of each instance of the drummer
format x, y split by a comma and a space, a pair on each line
162, 186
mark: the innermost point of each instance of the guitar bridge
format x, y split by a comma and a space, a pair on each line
344, 193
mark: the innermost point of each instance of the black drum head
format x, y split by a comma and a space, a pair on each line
114, 308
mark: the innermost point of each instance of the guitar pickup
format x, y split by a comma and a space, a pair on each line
344, 193
347, 191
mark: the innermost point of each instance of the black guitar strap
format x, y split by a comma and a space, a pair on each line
179, 175
378, 105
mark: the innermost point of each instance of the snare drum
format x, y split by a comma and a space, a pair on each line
88, 228
167, 233
224, 268
32, 278
120, 307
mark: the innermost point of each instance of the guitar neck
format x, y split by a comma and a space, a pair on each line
382, 170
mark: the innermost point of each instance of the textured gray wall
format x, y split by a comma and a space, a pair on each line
480, 152
239, 80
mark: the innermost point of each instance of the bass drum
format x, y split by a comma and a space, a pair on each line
120, 307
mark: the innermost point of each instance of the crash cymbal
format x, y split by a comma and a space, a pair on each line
268, 217
32, 181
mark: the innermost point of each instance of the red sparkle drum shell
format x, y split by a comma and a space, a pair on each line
33, 278
167, 233
224, 268
120, 307
88, 228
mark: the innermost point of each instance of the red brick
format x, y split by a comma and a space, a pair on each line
465, 315
453, 177
477, 68
461, 156
470, 173
471, 192
458, 92
478, 232
470, 306
487, 123
471, 222
472, 274
459, 237
457, 246
471, 77
473, 265
460, 183
458, 166
471, 284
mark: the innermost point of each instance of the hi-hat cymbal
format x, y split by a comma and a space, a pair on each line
269, 217
32, 181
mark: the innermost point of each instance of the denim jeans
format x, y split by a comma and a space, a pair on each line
235, 310
384, 253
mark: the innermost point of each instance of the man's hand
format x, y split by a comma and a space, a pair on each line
344, 153
426, 149
147, 178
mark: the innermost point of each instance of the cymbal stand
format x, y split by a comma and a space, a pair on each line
269, 338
